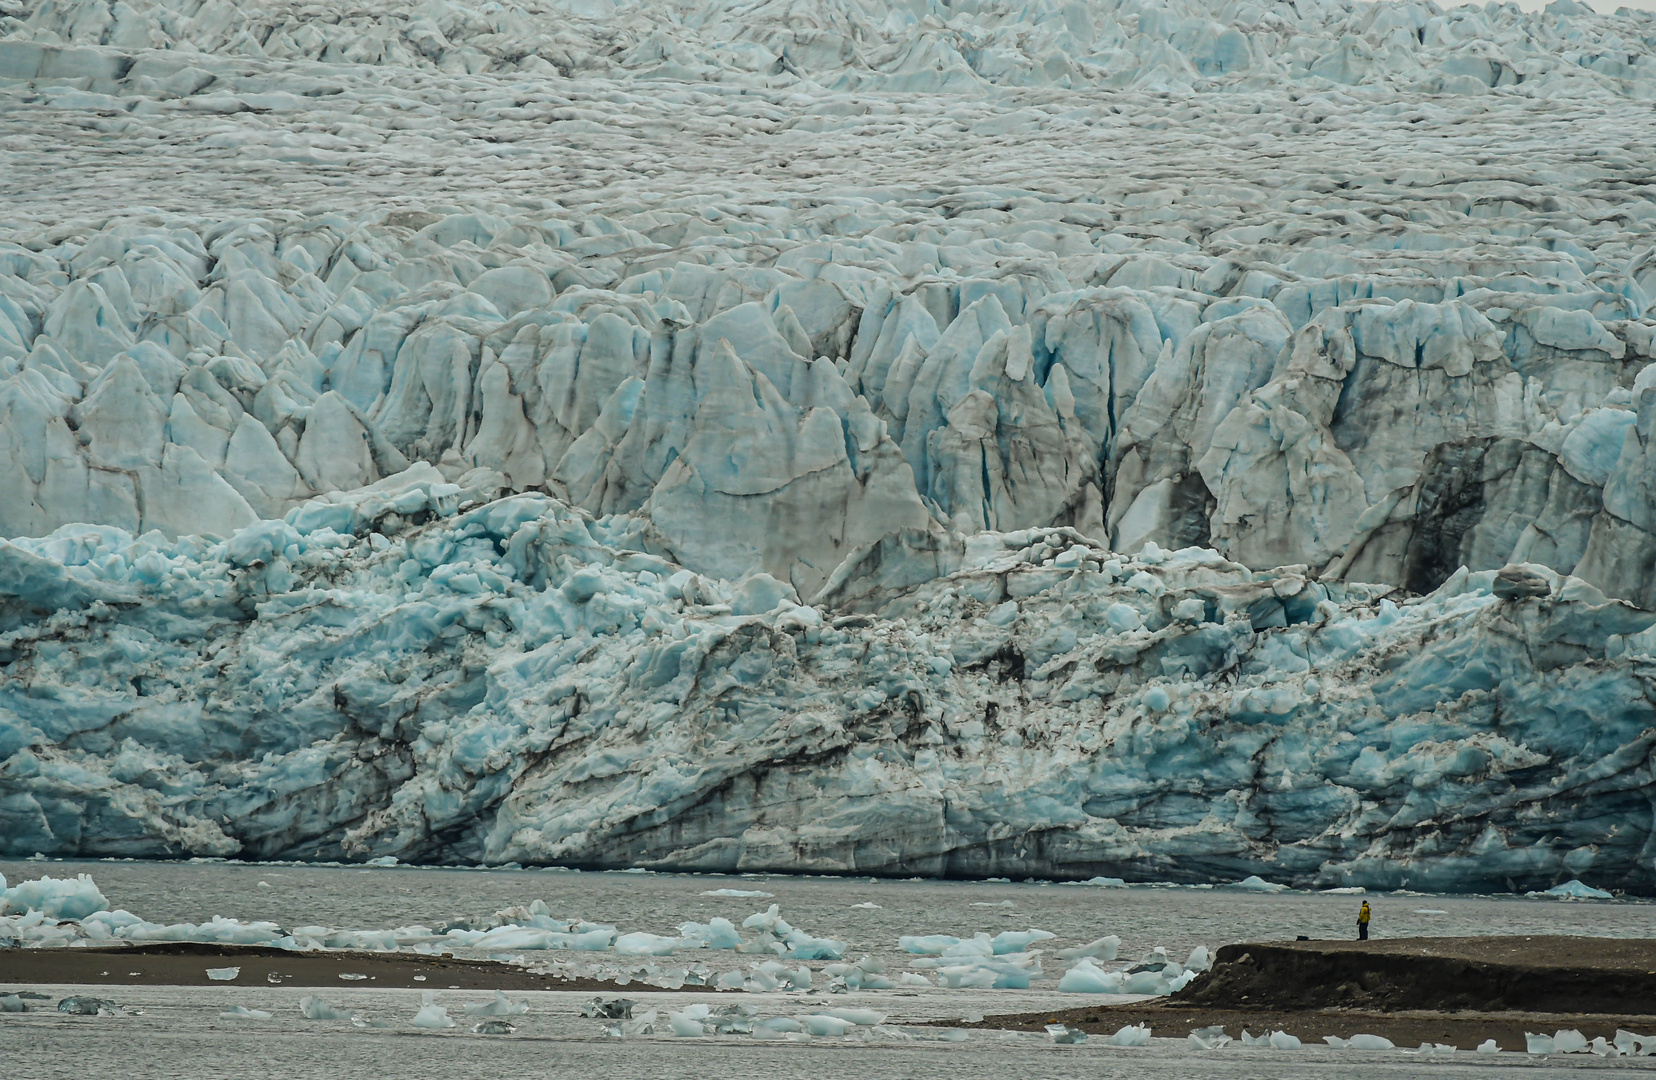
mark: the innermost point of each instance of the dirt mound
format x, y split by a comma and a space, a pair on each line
1528, 974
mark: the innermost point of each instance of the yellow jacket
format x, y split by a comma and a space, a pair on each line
1363, 914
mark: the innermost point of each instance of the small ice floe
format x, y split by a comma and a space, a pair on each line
432, 1016
362, 1022
1276, 1040
1066, 1035
493, 1027
687, 1024
501, 1005
1573, 890
1103, 948
223, 974
351, 976
1255, 883
716, 933
613, 1009
1560, 1042
1489, 1046
1360, 1042
755, 894
89, 1006
1430, 911
1428, 1049
1209, 1038
1345, 890
11, 1003
1130, 1035
952, 1035
315, 1008
242, 1012
867, 905
823, 1025
643, 1024
1634, 1045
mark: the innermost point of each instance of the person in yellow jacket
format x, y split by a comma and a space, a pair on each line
1363, 914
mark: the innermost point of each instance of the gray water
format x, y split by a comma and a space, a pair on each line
177, 1032
1143, 916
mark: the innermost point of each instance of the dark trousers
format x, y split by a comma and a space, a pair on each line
1362, 931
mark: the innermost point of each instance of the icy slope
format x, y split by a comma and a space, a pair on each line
1344, 322
512, 682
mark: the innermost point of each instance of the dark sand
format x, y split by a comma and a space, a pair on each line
186, 964
1459, 991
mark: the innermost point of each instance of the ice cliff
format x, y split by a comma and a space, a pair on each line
1181, 440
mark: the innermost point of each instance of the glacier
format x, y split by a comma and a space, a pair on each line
1174, 441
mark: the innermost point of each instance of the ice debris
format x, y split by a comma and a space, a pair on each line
1573, 890
500, 1005
223, 974
80, 1005
242, 1012
316, 1008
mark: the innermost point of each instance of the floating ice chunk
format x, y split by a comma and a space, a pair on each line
643, 1024
11, 1003
1574, 890
1370, 1042
1489, 1046
1281, 1040
1066, 1035
782, 1023
242, 1012
642, 944
1255, 883
501, 1005
493, 1027
56, 898
1214, 1038
927, 945
1538, 1044
717, 933
867, 905
1104, 948
1017, 941
89, 1006
1430, 911
1629, 1043
952, 1035
1569, 1042
684, 1026
223, 974
352, 976
1106, 882
1254, 1040
754, 893
316, 1008
1199, 959
859, 1017
383, 860
768, 1034
1131, 1035
613, 1009
1086, 977
910, 978
822, 1024
432, 1016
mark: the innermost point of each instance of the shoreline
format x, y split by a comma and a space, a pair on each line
186, 964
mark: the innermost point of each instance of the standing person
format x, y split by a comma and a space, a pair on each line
1363, 914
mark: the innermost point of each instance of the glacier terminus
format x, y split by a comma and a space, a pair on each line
1175, 440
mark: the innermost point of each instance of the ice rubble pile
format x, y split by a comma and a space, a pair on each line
924, 46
